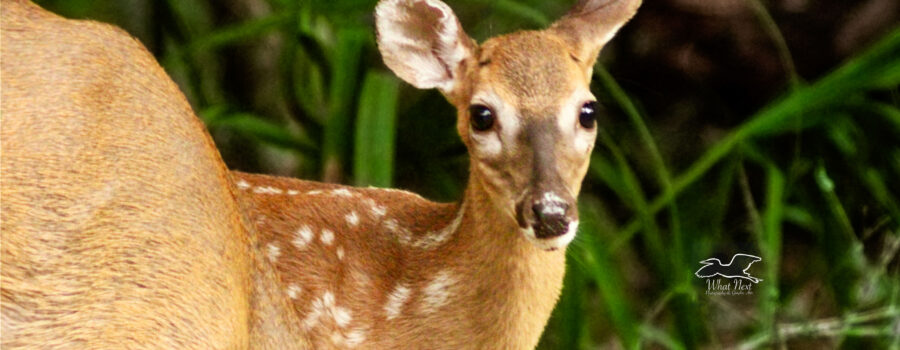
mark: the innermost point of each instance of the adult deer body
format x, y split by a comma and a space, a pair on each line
121, 226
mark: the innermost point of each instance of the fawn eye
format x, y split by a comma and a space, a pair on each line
588, 116
481, 117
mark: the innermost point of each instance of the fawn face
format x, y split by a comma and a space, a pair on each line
528, 121
525, 108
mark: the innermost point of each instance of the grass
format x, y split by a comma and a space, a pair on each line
807, 181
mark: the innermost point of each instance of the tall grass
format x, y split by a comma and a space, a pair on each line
808, 182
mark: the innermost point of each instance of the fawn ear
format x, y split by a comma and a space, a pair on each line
590, 24
422, 42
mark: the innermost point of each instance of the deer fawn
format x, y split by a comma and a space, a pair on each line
122, 227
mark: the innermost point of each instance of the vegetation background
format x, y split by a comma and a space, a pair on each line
731, 126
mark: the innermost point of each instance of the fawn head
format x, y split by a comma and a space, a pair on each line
525, 109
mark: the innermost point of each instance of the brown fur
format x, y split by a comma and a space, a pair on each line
536, 84
533, 68
121, 227
506, 287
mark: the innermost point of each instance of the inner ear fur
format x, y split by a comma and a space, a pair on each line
423, 43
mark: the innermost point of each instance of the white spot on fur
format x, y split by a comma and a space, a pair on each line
312, 317
438, 292
267, 190
378, 211
355, 337
340, 253
342, 192
302, 237
429, 240
320, 306
436, 238
327, 236
325, 306
350, 339
360, 279
342, 316
395, 301
292, 192
314, 192
243, 184
328, 299
293, 290
352, 218
273, 252
404, 236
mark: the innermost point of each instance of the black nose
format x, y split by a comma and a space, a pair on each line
550, 219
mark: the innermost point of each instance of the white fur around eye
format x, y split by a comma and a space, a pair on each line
491, 143
487, 144
569, 126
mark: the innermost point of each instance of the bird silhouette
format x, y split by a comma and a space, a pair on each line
737, 268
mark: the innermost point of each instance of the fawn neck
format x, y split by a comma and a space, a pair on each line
387, 281
518, 284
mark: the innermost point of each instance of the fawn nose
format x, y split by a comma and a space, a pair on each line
550, 218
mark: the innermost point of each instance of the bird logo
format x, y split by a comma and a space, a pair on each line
737, 268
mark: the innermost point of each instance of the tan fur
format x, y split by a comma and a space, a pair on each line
121, 227
119, 224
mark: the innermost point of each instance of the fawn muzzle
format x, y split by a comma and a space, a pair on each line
548, 209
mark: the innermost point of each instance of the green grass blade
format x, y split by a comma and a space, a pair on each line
250, 29
661, 337
194, 20
634, 195
661, 172
605, 172
523, 11
373, 161
770, 246
890, 113
826, 186
257, 128
342, 90
771, 29
878, 67
874, 182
